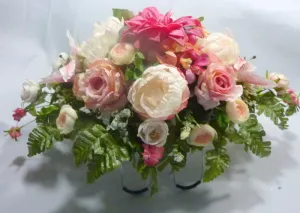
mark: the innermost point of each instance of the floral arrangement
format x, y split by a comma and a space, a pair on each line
157, 87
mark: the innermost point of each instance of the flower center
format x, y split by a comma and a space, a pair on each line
96, 83
204, 138
154, 135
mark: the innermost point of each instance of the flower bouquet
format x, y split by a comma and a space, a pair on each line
156, 87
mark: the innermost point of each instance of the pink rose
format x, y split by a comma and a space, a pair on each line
217, 84
152, 154
101, 86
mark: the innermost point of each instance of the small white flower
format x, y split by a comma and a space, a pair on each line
122, 53
30, 91
66, 119
178, 157
223, 46
153, 132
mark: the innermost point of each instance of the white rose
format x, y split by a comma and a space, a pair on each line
122, 53
153, 132
281, 80
237, 111
202, 135
160, 92
223, 46
104, 37
66, 119
30, 91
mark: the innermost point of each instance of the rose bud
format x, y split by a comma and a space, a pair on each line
282, 82
202, 135
30, 91
237, 111
66, 119
122, 53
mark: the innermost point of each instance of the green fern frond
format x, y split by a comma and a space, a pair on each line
41, 139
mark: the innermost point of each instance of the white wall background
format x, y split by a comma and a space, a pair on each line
32, 32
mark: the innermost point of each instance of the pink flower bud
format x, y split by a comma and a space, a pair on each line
15, 132
19, 113
190, 76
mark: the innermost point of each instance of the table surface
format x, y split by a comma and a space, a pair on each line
32, 32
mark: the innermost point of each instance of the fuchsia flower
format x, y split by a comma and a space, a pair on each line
149, 29
152, 154
19, 113
15, 133
195, 61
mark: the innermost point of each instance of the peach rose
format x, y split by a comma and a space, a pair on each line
237, 111
66, 119
101, 86
218, 83
202, 135
160, 93
122, 53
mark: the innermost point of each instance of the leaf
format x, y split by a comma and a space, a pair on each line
291, 110
99, 150
272, 108
41, 139
251, 133
217, 161
48, 110
201, 18
139, 61
122, 13
163, 164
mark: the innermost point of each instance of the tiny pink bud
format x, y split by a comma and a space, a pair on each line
19, 113
15, 132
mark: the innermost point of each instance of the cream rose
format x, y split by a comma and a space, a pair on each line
202, 135
30, 91
153, 132
223, 46
161, 92
66, 119
237, 111
282, 82
105, 36
122, 53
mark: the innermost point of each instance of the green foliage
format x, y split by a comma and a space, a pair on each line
41, 139
217, 160
40, 100
97, 148
251, 134
292, 109
135, 70
272, 108
188, 123
122, 13
201, 18
249, 96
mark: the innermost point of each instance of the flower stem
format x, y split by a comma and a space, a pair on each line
27, 123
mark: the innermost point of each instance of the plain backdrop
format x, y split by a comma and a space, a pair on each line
33, 32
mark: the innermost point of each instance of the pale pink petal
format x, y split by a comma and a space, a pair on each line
68, 71
252, 78
73, 44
